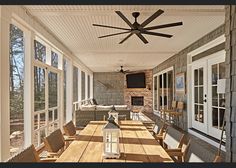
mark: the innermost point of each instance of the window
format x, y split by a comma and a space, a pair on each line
64, 87
16, 89
75, 84
165, 90
83, 85
54, 59
40, 51
88, 86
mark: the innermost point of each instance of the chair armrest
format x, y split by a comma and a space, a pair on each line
69, 138
166, 110
79, 128
174, 152
53, 154
158, 137
48, 159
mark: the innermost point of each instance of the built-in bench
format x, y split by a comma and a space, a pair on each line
88, 113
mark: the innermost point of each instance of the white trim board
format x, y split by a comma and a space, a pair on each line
208, 140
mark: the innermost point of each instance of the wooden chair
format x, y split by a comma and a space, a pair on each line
158, 132
217, 159
70, 130
174, 114
55, 143
179, 153
164, 112
135, 113
173, 140
29, 155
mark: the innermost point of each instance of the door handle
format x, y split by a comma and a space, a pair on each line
205, 100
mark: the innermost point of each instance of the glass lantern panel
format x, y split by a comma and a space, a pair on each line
108, 137
114, 137
114, 148
107, 147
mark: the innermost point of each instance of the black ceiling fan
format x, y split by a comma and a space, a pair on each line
140, 29
122, 70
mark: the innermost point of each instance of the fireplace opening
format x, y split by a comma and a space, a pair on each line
137, 101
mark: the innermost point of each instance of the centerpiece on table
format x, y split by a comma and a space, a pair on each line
111, 133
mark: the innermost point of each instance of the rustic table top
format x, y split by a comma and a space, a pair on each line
136, 145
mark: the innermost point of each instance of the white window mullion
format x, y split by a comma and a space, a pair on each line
46, 96
69, 91
60, 99
4, 88
48, 54
29, 89
91, 86
86, 85
79, 85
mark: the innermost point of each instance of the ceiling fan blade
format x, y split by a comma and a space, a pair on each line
142, 38
126, 38
110, 27
157, 34
164, 26
114, 34
151, 18
125, 19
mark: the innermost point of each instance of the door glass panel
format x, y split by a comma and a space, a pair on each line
200, 76
52, 89
221, 100
196, 77
222, 70
215, 117
214, 74
201, 114
39, 89
196, 112
196, 94
222, 112
201, 95
214, 96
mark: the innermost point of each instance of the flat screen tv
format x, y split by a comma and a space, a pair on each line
136, 80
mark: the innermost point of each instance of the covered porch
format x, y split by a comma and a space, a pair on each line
54, 69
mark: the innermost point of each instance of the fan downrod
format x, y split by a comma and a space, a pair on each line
135, 14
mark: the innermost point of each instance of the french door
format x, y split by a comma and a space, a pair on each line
46, 101
208, 106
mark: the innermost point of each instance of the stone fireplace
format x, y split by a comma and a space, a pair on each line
136, 98
137, 101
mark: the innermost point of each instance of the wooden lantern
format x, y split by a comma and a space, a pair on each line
111, 133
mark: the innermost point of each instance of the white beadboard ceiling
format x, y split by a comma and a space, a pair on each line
72, 25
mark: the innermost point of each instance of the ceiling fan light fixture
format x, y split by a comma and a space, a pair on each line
140, 29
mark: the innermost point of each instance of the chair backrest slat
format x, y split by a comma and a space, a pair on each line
173, 138
27, 155
180, 106
70, 129
55, 141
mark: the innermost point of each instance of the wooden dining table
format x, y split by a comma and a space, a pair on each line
136, 145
